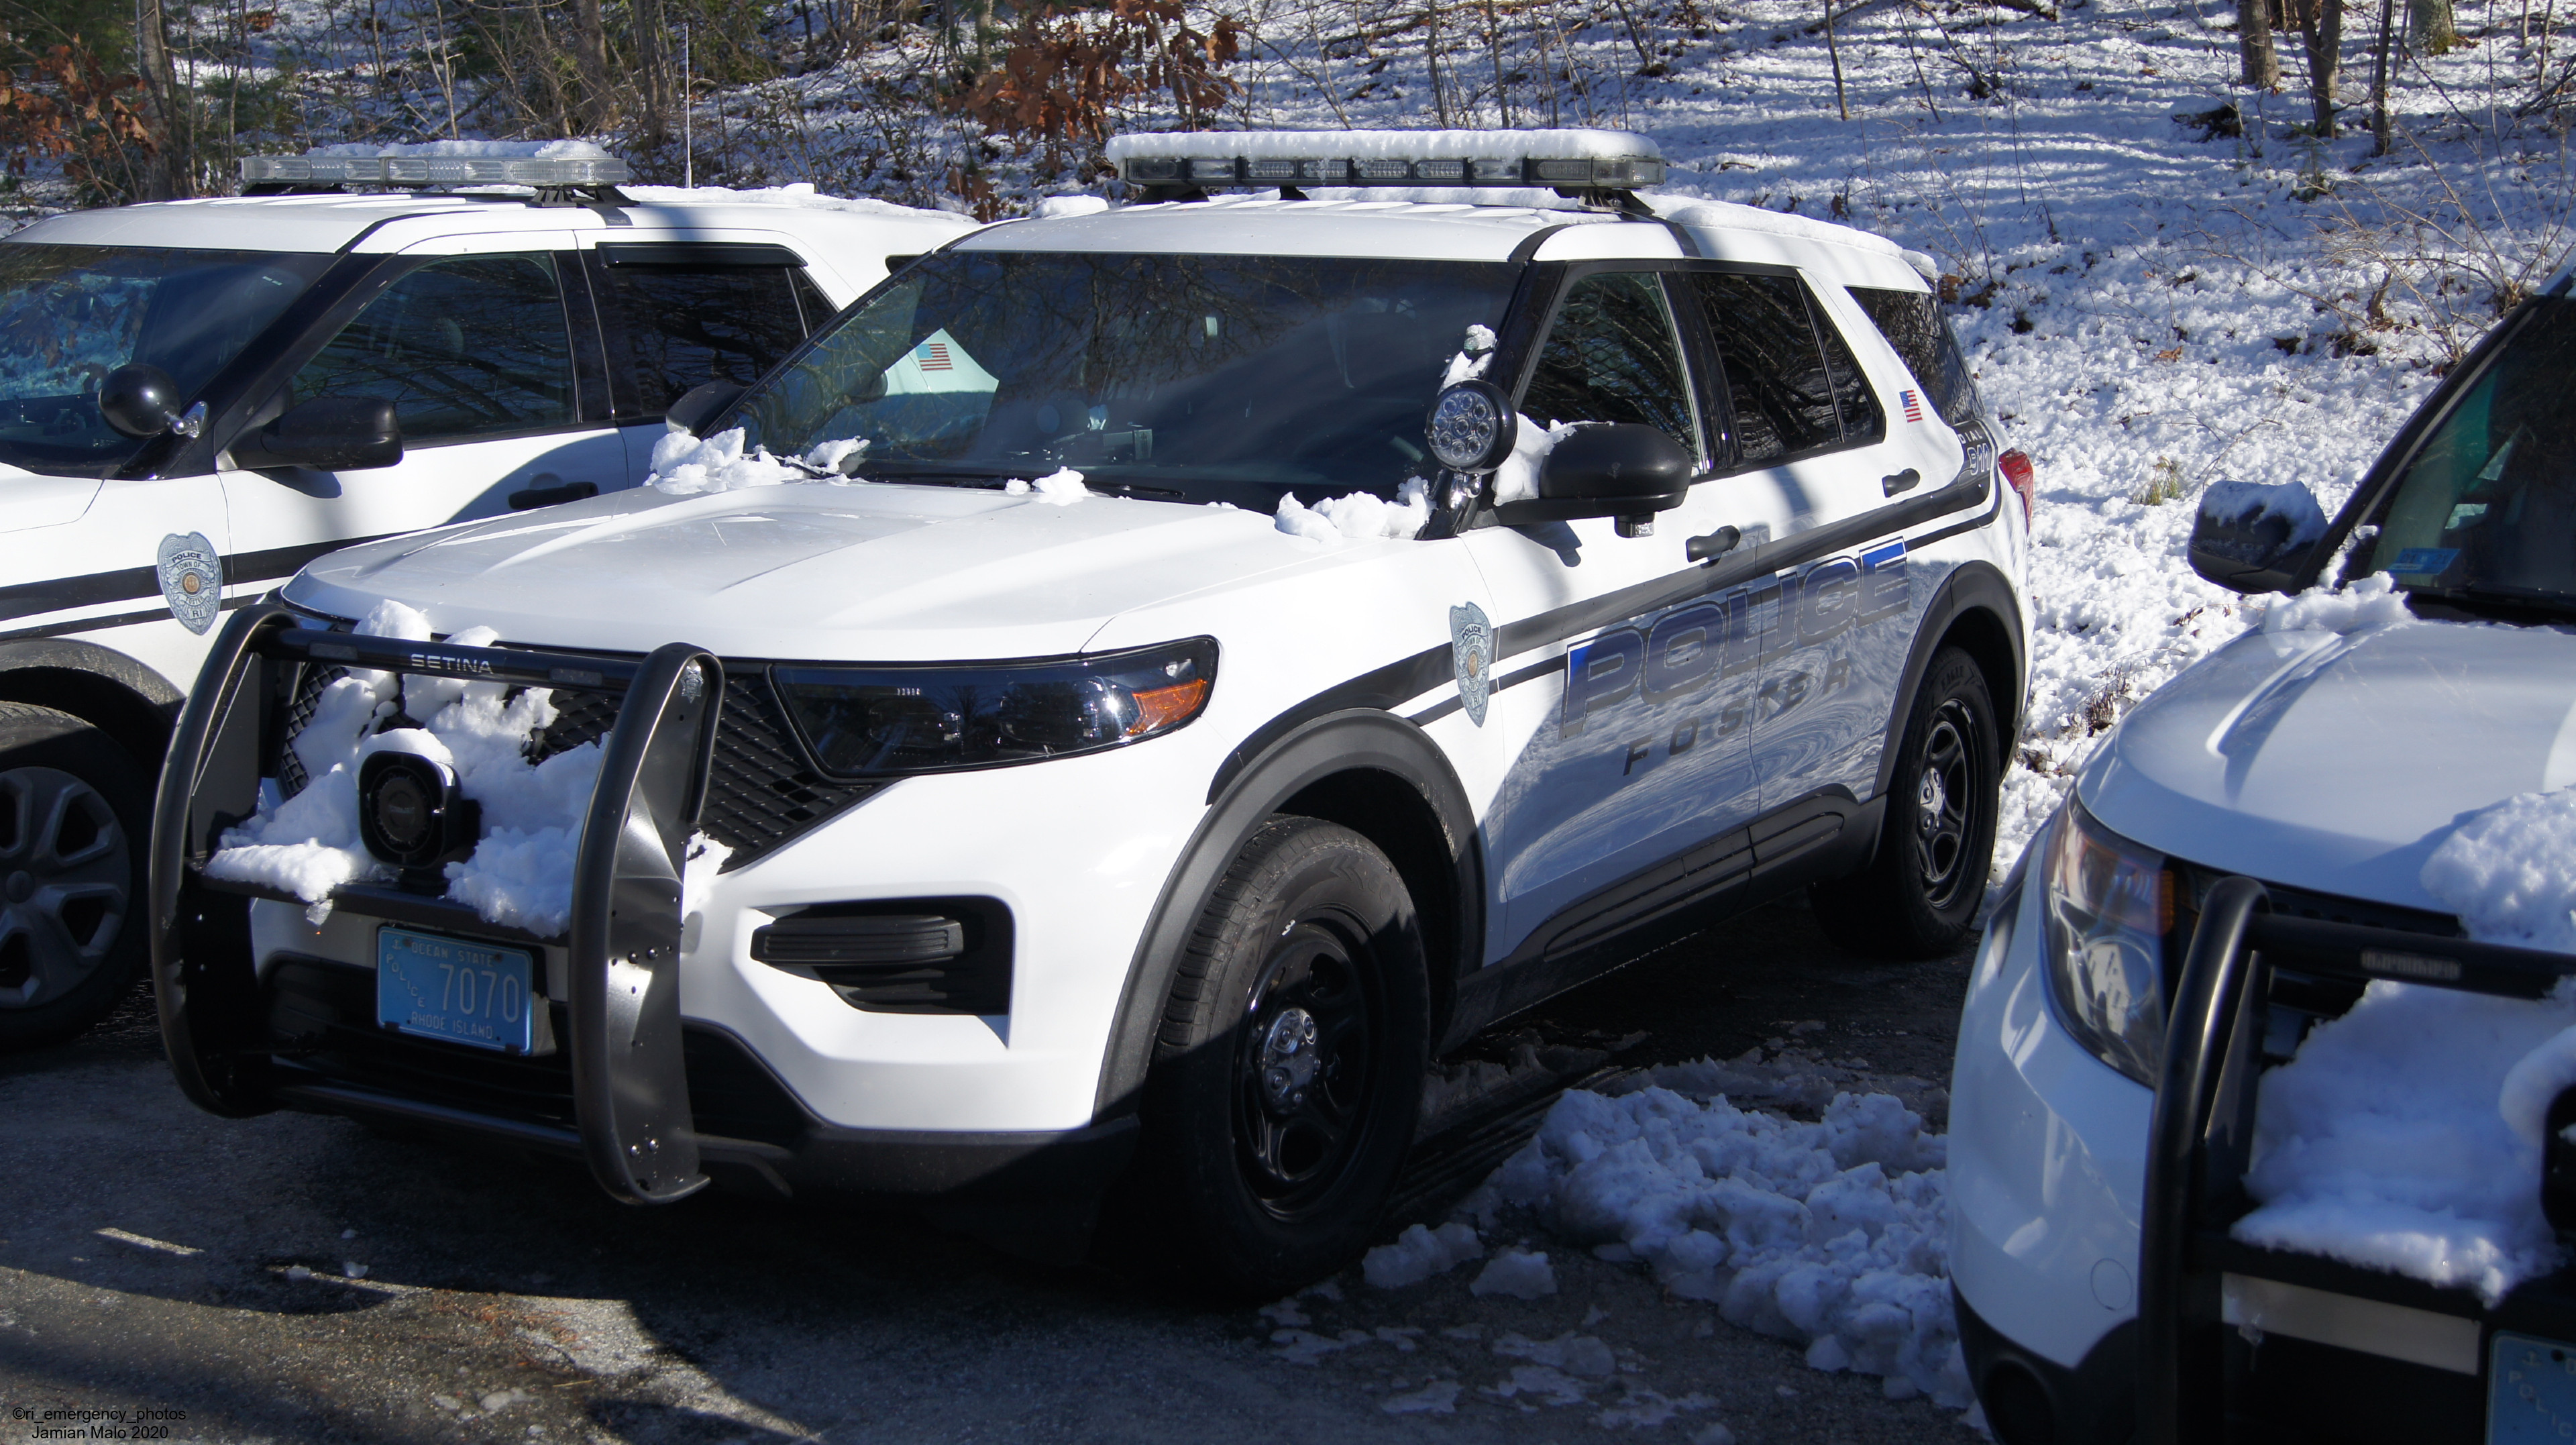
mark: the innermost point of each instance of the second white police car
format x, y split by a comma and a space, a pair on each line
1075, 732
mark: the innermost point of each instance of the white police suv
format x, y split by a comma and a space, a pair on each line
2330, 804
1076, 731
199, 397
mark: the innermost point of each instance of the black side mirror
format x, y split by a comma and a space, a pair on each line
139, 399
1625, 470
2248, 537
328, 433
703, 403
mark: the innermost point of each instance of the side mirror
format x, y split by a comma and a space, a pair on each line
2249, 537
1625, 470
328, 433
703, 403
139, 399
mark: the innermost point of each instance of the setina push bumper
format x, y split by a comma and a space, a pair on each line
605, 1069
2239, 1342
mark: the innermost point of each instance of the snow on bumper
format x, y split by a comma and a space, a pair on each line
2047, 1158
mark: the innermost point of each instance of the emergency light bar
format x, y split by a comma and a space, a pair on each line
1608, 160
401, 170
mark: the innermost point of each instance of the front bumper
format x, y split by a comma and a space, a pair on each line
777, 1082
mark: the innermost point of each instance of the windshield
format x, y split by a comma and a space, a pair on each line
1199, 378
2487, 509
69, 315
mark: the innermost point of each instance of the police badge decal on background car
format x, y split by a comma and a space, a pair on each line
192, 580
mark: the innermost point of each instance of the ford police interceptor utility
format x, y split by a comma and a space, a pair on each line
198, 397
1077, 731
2203, 1181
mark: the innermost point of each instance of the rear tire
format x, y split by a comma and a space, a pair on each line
75, 820
1288, 1065
1918, 898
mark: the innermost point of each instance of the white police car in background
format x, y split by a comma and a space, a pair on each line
198, 397
2327, 764
1120, 749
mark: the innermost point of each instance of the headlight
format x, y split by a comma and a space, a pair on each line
2108, 909
890, 719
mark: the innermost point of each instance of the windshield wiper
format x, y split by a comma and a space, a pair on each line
2534, 599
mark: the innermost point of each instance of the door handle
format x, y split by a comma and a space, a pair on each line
533, 497
1713, 546
1904, 481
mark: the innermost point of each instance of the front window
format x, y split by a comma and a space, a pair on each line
2486, 511
1197, 378
69, 315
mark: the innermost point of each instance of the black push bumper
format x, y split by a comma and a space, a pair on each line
2240, 1343
653, 1106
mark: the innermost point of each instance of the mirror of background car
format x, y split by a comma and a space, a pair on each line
139, 399
702, 404
2249, 537
328, 433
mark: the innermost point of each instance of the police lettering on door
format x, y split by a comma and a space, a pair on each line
1670, 660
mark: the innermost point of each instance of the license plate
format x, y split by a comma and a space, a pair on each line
2531, 1390
448, 988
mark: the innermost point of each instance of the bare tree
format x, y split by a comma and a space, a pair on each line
2261, 65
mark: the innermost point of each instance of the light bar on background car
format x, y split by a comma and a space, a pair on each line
402, 170
1566, 159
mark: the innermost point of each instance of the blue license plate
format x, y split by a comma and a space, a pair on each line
2531, 1390
449, 988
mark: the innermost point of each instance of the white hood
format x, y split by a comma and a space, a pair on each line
875, 571
2340, 762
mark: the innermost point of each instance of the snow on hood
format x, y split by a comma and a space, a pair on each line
884, 571
2342, 750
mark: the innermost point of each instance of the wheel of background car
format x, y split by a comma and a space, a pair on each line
1919, 895
1289, 1064
75, 812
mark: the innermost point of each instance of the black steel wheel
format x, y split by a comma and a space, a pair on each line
74, 820
1936, 841
1288, 1066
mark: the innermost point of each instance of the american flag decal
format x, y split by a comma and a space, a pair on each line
1913, 405
934, 357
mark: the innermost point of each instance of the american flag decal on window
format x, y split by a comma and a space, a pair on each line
934, 357
1913, 405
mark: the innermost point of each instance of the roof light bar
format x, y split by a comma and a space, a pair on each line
1564, 159
405, 171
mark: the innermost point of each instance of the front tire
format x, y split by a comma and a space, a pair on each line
75, 816
1288, 1066
1918, 898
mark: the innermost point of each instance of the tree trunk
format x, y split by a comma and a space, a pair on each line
2262, 67
168, 173
598, 108
650, 63
2380, 128
2437, 31
2323, 33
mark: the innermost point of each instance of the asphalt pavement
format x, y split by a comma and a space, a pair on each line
169, 1275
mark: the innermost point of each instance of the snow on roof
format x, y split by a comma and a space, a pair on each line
1387, 144
550, 150
1261, 224
1727, 215
801, 195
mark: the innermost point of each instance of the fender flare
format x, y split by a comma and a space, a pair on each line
1970, 587
1350, 740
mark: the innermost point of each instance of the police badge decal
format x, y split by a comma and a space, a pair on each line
1471, 654
192, 580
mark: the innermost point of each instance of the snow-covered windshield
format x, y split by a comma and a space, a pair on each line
1200, 378
2486, 512
69, 315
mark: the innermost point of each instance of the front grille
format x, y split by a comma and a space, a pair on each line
760, 793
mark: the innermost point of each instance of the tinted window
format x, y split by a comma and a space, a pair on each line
671, 328
69, 315
1862, 420
1775, 369
1612, 355
463, 347
1912, 323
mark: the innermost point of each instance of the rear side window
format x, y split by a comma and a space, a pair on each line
466, 347
1913, 324
1776, 372
678, 317
1862, 420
